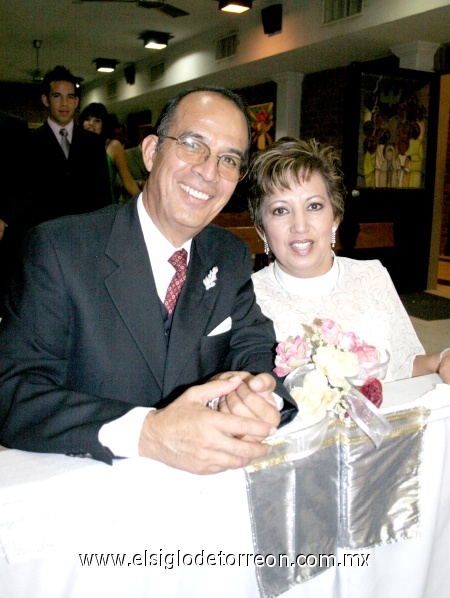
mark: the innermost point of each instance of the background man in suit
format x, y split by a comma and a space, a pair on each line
72, 179
14, 135
93, 359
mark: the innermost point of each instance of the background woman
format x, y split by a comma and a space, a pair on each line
95, 118
296, 201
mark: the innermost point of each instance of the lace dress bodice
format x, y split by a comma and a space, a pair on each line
359, 295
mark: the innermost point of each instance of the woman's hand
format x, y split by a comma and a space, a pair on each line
444, 367
429, 364
252, 399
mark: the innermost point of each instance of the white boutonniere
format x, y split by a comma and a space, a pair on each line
210, 280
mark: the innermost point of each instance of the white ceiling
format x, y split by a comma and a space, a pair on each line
74, 32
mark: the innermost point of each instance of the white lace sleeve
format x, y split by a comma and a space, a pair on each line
384, 321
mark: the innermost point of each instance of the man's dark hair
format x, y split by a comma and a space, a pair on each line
165, 118
59, 73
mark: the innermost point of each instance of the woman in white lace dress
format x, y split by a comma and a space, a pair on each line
296, 201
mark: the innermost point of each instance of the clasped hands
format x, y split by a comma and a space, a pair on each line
189, 435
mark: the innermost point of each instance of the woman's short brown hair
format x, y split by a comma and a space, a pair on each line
274, 168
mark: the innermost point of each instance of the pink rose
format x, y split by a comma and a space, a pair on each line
331, 332
349, 341
373, 391
366, 353
290, 355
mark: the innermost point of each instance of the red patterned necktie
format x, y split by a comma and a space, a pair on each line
179, 261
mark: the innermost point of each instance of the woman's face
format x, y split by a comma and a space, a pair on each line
298, 223
94, 124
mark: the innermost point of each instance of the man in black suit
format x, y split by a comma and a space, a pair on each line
14, 136
93, 360
65, 181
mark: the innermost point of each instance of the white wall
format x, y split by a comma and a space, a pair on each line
304, 45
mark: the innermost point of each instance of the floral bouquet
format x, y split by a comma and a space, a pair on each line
331, 371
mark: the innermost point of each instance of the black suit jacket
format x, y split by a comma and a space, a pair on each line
61, 186
14, 138
83, 341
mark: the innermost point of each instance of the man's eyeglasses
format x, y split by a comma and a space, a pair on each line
194, 151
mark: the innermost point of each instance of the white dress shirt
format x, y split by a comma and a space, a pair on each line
159, 251
57, 128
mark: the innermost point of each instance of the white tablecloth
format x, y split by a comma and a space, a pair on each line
55, 508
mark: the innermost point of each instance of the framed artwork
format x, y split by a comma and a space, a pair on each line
262, 123
393, 132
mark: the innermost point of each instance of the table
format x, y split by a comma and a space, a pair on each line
54, 508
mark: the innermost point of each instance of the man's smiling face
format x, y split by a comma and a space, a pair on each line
183, 198
61, 102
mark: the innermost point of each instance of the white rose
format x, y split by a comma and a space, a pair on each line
336, 365
315, 397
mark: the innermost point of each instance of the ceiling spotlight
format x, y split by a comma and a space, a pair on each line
105, 65
155, 40
236, 6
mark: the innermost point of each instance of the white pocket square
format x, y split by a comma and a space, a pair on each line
222, 327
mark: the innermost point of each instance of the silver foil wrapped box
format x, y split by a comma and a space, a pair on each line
327, 487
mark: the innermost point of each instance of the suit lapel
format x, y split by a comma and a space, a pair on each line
192, 315
132, 289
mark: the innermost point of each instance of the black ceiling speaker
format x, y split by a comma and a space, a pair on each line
130, 74
167, 9
271, 18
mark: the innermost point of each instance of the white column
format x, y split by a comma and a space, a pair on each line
418, 56
289, 96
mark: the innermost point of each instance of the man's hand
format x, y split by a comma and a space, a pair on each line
188, 435
3, 225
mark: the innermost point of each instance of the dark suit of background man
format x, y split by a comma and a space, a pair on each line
88, 347
14, 136
61, 185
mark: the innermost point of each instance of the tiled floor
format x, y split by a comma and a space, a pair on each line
435, 334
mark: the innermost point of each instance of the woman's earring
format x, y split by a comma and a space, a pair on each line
333, 237
266, 245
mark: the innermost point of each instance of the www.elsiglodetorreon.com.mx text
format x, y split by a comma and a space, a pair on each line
171, 560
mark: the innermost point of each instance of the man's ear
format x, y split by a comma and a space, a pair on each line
149, 145
45, 101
